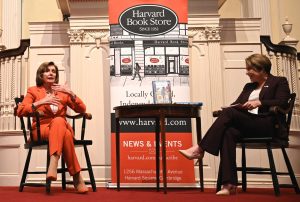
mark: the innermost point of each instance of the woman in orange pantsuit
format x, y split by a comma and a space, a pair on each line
53, 99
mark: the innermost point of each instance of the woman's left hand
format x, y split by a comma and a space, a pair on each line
62, 88
251, 104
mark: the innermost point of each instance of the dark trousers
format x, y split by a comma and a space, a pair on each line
228, 128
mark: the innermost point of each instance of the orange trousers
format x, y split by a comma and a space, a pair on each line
61, 141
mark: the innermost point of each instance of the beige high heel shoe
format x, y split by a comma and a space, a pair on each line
52, 169
194, 152
227, 190
79, 184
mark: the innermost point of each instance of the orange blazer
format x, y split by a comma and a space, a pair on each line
37, 93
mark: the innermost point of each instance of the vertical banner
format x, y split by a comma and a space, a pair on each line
149, 42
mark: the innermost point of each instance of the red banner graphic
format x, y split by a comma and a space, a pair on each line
138, 158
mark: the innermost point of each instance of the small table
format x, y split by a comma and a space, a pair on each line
159, 112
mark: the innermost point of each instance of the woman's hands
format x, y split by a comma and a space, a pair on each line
50, 99
63, 88
251, 104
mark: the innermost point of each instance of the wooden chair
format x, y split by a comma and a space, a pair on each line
269, 142
31, 145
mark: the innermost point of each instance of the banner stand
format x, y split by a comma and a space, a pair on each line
149, 44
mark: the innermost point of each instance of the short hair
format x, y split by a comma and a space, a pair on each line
43, 68
259, 62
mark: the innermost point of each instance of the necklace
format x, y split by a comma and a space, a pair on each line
49, 92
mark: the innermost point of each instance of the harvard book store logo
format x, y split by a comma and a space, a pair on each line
148, 20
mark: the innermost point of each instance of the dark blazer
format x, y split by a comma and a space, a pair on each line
275, 92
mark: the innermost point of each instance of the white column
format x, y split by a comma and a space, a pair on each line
258, 9
2, 47
206, 80
90, 79
77, 70
1, 13
11, 29
215, 70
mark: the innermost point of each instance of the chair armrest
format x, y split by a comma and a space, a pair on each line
33, 114
36, 114
273, 110
216, 113
276, 110
82, 116
79, 116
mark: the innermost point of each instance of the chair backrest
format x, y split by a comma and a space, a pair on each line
18, 100
28, 126
290, 111
284, 117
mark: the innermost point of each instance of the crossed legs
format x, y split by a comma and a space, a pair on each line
61, 142
221, 138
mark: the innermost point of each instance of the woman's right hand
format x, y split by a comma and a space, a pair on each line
251, 104
50, 99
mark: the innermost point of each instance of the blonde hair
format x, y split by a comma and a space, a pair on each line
259, 62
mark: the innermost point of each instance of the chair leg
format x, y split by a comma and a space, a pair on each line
199, 138
90, 169
48, 186
290, 170
201, 174
63, 173
48, 182
273, 170
25, 170
244, 168
219, 180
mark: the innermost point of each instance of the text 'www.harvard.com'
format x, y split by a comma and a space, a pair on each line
140, 122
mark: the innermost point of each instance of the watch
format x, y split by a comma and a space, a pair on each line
73, 98
33, 107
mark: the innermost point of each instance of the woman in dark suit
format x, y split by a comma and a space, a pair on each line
264, 91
